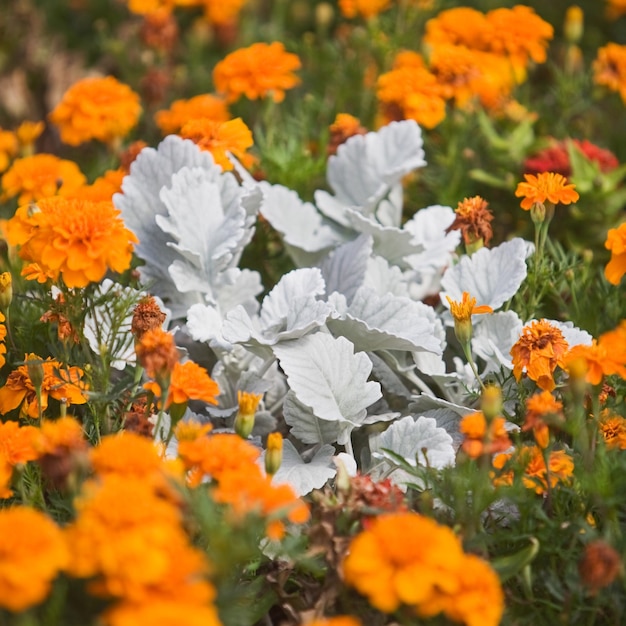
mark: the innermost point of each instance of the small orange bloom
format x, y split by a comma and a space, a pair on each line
539, 407
560, 464
460, 26
18, 444
157, 353
344, 127
616, 243
340, 620
600, 359
363, 8
609, 68
613, 429
8, 148
33, 552
205, 106
27, 133
222, 12
259, 71
96, 108
220, 138
545, 186
482, 438
76, 239
539, 350
103, 188
615, 8
189, 381
41, 176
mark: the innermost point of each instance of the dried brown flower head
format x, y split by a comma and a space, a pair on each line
599, 566
473, 219
146, 316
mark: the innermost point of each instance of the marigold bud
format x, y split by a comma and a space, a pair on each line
6, 290
274, 453
244, 421
573, 27
491, 402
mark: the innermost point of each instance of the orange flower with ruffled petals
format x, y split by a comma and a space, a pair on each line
33, 552
103, 188
539, 350
71, 238
189, 381
609, 68
482, 437
545, 186
58, 381
459, 26
204, 106
96, 108
261, 70
616, 243
220, 138
539, 407
41, 176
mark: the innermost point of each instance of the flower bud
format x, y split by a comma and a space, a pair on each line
274, 453
573, 27
244, 421
491, 402
6, 290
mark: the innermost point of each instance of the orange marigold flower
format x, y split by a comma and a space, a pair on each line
3, 334
403, 558
258, 71
609, 68
479, 600
191, 430
616, 243
76, 239
18, 444
59, 382
103, 188
615, 8
473, 219
613, 429
162, 613
539, 408
460, 26
482, 437
363, 8
600, 359
416, 92
340, 620
96, 108
205, 106
126, 454
157, 353
344, 127
8, 148
63, 434
189, 381
560, 464
41, 176
545, 186
520, 34
32, 553
222, 12
220, 138
540, 348
27, 133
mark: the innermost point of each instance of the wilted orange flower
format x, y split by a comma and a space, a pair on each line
41, 176
205, 106
219, 138
258, 71
545, 186
613, 429
147, 315
59, 382
415, 92
3, 334
540, 348
403, 558
32, 553
189, 381
609, 68
520, 34
157, 353
600, 565
482, 437
616, 243
8, 148
76, 239
96, 108
539, 407
473, 219
363, 8
479, 600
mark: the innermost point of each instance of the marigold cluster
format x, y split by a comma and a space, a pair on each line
57, 381
261, 70
41, 176
75, 239
539, 350
96, 108
408, 559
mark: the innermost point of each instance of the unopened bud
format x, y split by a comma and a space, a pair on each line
248, 404
491, 402
274, 453
573, 27
6, 290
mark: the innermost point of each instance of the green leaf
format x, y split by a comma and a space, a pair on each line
512, 564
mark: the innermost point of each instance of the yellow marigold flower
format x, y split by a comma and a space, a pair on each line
574, 24
540, 348
41, 176
75, 239
363, 8
545, 186
539, 407
32, 553
205, 106
462, 313
609, 68
415, 92
616, 243
403, 558
8, 148
220, 138
157, 353
248, 402
259, 71
519, 33
59, 382
191, 430
613, 429
459, 26
96, 108
162, 613
188, 381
